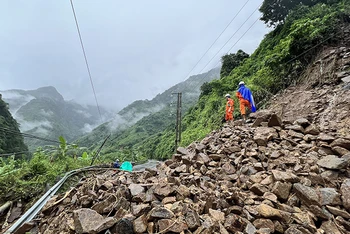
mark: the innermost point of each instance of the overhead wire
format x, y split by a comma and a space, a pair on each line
15, 153
85, 57
227, 43
217, 38
231, 37
29, 135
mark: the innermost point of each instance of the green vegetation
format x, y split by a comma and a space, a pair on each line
275, 65
275, 12
44, 112
9, 143
27, 179
231, 61
138, 139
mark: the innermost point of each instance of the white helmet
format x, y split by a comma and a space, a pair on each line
241, 83
228, 95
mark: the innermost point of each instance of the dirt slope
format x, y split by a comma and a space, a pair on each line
287, 172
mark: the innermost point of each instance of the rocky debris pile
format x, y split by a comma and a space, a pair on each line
271, 177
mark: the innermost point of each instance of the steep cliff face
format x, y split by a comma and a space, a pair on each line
10, 139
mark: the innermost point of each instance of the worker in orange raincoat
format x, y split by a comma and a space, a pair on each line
229, 108
246, 99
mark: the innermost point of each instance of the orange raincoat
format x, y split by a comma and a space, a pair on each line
229, 109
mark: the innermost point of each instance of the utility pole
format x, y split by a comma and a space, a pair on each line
178, 120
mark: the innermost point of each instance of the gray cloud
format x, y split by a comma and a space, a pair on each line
136, 49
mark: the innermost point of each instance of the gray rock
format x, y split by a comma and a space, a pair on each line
307, 194
325, 137
345, 193
89, 221
341, 142
161, 213
250, 229
312, 130
333, 162
329, 196
136, 189
264, 134
338, 212
340, 150
285, 176
282, 190
123, 226
303, 122
192, 219
182, 150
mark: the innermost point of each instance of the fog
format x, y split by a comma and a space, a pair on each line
135, 49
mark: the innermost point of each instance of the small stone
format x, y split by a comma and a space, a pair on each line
312, 130
192, 220
89, 221
264, 134
274, 121
333, 162
267, 211
123, 226
330, 227
140, 224
217, 215
136, 189
250, 229
341, 142
302, 122
340, 150
264, 223
161, 213
338, 212
182, 150
258, 189
345, 192
329, 196
282, 190
285, 176
306, 194
321, 213
325, 137
169, 225
270, 196
140, 209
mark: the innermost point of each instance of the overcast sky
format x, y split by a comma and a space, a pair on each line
135, 49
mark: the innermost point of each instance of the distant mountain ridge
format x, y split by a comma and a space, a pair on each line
44, 112
144, 119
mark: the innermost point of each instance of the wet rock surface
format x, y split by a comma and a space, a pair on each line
287, 172
240, 179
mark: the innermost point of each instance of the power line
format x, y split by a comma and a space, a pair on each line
235, 43
28, 135
217, 38
230, 38
15, 153
228, 41
86, 61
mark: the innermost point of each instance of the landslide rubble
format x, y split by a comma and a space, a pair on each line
285, 172
276, 177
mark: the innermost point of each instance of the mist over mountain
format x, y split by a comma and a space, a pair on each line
45, 113
143, 119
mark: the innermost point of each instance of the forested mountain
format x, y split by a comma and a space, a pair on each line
45, 113
302, 28
144, 119
10, 141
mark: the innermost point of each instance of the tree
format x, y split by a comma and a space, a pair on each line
276, 11
11, 140
231, 61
